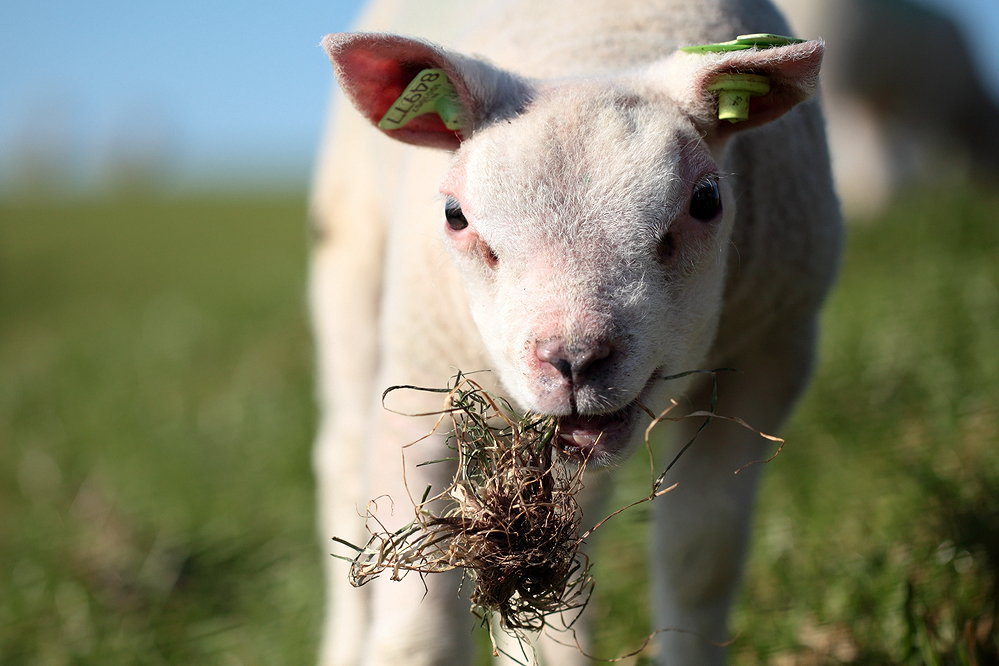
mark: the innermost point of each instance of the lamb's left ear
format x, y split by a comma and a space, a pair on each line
791, 73
376, 69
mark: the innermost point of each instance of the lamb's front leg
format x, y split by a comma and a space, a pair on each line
701, 529
417, 625
420, 620
340, 488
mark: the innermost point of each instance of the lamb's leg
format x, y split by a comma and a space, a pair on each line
701, 529
420, 620
338, 486
359, 458
417, 625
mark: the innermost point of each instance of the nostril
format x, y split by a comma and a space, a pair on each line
572, 362
563, 366
552, 352
587, 363
598, 351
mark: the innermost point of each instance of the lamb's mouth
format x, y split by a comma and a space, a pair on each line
602, 439
598, 438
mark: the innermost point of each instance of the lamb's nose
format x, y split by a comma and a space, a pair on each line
574, 361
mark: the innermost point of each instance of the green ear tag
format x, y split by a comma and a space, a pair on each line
430, 92
734, 90
743, 42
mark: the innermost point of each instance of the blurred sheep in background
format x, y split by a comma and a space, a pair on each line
904, 101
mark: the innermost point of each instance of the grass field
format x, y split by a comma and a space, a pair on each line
156, 414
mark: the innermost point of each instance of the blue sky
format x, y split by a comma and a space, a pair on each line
230, 89
222, 90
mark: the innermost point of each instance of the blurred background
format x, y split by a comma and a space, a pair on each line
181, 96
156, 399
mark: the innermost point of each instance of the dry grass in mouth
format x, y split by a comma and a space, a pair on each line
512, 522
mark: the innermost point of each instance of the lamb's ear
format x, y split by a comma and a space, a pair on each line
374, 70
792, 72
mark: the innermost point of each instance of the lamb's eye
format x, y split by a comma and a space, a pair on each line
452, 213
705, 202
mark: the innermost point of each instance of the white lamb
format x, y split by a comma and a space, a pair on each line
590, 228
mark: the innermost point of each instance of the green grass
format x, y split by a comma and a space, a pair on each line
156, 414
879, 530
156, 417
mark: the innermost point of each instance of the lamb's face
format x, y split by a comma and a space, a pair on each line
590, 228
591, 234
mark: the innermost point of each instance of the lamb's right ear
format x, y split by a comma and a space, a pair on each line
374, 69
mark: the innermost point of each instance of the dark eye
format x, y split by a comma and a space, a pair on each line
455, 218
705, 203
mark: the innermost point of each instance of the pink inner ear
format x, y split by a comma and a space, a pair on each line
375, 82
770, 107
375, 73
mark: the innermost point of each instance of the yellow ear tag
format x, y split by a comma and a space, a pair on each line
760, 40
430, 92
734, 91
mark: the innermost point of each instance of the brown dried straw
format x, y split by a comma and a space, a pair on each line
512, 524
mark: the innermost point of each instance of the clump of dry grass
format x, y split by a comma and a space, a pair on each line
512, 524
512, 520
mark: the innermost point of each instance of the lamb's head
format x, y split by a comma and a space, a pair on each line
589, 219
592, 248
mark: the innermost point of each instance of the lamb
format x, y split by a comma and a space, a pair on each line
582, 224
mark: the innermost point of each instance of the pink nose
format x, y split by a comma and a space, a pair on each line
576, 362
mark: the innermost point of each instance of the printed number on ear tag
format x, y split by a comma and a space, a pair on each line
430, 92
